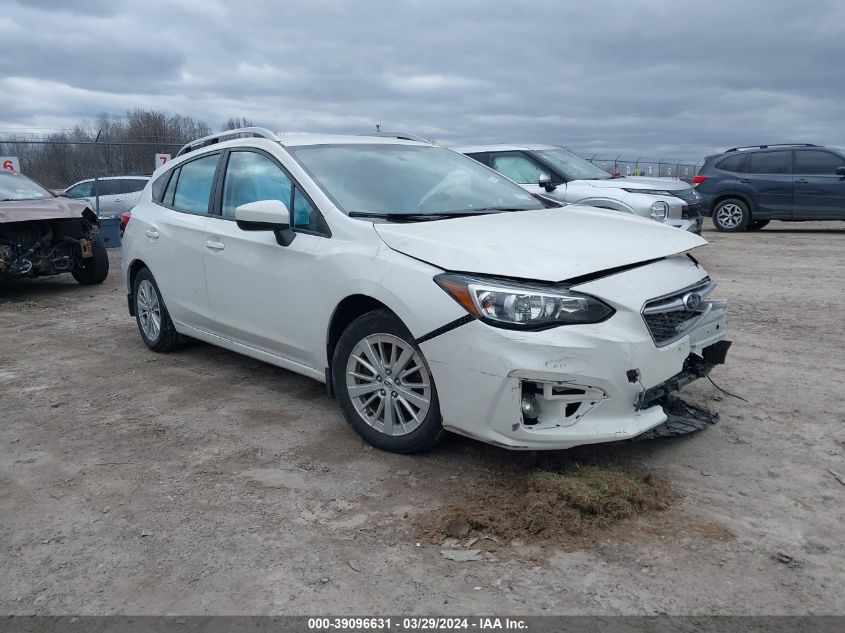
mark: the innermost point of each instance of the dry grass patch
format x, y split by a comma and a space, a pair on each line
576, 502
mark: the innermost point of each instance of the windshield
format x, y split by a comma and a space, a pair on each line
15, 186
572, 166
408, 179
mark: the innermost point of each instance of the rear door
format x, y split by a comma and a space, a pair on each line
819, 190
176, 239
768, 182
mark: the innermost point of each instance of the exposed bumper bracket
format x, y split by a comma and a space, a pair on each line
695, 367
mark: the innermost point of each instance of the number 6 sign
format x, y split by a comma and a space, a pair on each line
9, 163
161, 159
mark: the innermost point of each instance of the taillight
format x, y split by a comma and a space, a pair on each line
697, 180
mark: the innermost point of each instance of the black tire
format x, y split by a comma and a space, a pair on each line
167, 338
93, 270
430, 430
731, 216
756, 225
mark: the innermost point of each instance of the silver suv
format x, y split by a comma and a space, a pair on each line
117, 193
558, 173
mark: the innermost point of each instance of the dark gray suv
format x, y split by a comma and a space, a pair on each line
746, 187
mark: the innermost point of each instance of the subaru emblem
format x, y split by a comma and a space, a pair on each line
692, 301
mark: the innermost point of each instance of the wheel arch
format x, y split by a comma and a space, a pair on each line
346, 311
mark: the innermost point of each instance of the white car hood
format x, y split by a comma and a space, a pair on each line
667, 184
545, 245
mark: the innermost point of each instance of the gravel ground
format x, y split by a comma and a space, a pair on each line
205, 482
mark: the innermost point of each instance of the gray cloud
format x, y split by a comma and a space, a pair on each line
654, 78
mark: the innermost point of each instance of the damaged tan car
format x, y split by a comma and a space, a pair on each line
42, 235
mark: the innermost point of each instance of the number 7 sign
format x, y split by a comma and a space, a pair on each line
161, 159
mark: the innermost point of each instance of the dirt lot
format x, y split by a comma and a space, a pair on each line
205, 482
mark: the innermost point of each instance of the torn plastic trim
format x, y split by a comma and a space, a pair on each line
695, 367
445, 328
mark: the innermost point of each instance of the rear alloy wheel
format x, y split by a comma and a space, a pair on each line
731, 215
756, 225
384, 385
152, 317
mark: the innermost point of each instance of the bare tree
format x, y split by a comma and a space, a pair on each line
236, 122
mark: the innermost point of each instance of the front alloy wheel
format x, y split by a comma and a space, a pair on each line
384, 385
388, 384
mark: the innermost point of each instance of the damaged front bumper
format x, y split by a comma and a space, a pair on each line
574, 385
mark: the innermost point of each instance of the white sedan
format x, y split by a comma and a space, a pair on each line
429, 292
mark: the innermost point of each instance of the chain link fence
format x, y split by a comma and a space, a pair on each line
58, 165
655, 169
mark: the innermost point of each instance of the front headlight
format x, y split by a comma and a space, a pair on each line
659, 211
520, 306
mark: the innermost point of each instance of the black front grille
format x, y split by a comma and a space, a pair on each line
691, 211
665, 326
663, 318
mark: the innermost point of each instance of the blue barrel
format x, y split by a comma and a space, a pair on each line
110, 232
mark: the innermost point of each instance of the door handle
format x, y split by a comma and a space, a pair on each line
152, 234
746, 181
803, 181
215, 245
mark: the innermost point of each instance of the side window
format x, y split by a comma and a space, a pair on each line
159, 184
193, 189
109, 187
517, 167
167, 200
82, 190
732, 163
133, 185
250, 177
769, 163
482, 157
817, 163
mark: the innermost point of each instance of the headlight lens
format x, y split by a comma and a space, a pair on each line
659, 211
651, 192
522, 306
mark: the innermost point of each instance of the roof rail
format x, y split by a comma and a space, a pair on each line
259, 132
404, 136
736, 149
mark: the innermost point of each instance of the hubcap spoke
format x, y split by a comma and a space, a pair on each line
376, 374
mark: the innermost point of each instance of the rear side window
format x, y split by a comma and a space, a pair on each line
817, 163
732, 163
769, 163
193, 188
167, 200
159, 184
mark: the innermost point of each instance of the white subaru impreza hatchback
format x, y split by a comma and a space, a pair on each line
429, 292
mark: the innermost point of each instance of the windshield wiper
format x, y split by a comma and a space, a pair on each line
418, 217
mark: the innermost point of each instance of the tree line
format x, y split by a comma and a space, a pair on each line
108, 145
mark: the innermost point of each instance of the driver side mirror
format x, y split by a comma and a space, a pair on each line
840, 171
545, 181
266, 215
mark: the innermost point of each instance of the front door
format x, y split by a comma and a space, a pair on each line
819, 190
526, 171
261, 293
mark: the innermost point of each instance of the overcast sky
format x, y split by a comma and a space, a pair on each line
656, 78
